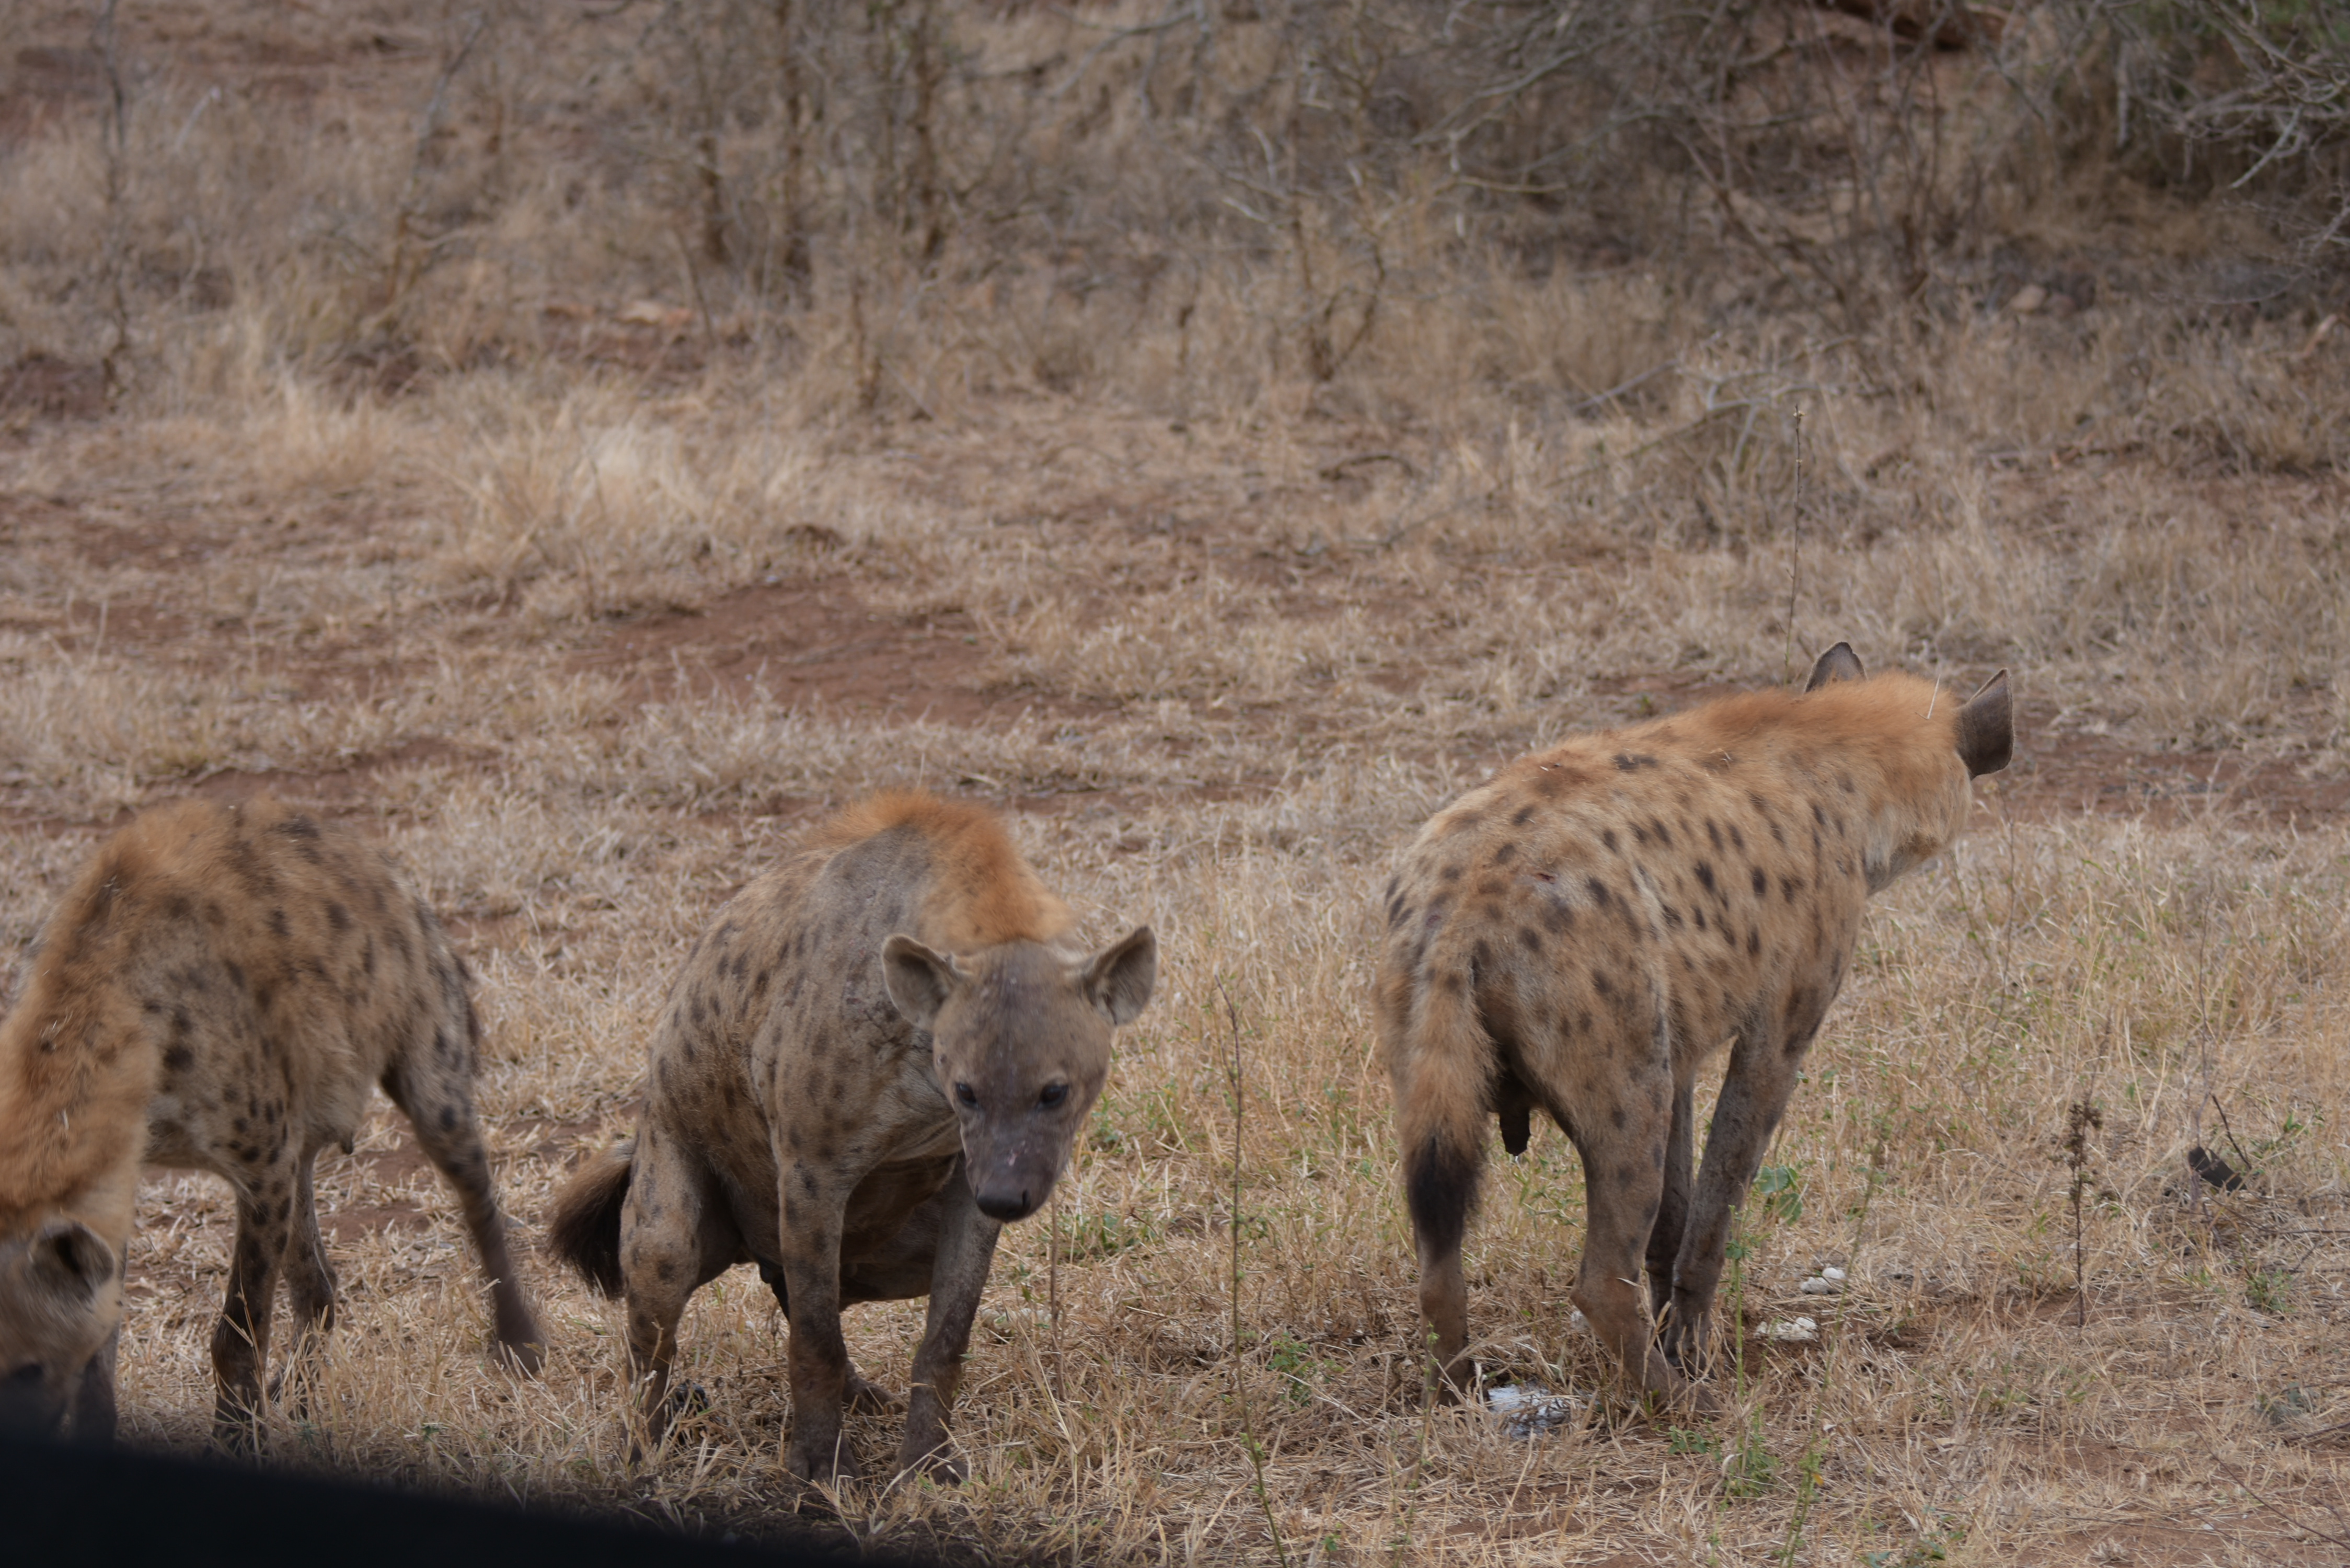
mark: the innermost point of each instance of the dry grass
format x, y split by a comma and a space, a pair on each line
588, 577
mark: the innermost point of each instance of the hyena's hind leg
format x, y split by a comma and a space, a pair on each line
309, 1289
241, 1338
675, 1235
433, 1085
1672, 1217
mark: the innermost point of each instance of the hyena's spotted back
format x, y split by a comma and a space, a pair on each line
1581, 933
218, 992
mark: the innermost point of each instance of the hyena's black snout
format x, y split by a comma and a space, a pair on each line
1003, 1206
1012, 1184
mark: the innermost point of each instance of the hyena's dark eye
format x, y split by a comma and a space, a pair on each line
1053, 1096
966, 1096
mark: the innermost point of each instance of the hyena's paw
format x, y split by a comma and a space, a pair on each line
824, 1461
870, 1398
940, 1464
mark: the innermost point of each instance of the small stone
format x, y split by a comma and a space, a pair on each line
1793, 1331
2027, 299
1820, 1285
1833, 1275
1577, 1323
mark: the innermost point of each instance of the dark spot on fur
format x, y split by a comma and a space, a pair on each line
1639, 834
1617, 1118
1761, 884
1523, 816
1505, 853
1452, 873
277, 926
1789, 887
338, 918
1664, 834
1633, 762
1598, 891
179, 1059
448, 1118
1608, 838
1705, 875
1530, 938
1754, 940
1601, 984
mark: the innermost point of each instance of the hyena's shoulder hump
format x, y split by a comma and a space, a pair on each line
968, 886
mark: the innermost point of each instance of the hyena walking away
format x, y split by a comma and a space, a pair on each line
1585, 929
877, 1056
217, 992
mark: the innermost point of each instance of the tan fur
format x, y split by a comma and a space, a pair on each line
218, 991
876, 1054
981, 893
1584, 931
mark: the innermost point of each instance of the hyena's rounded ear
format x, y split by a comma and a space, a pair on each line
1120, 978
70, 1262
1838, 663
1987, 728
918, 981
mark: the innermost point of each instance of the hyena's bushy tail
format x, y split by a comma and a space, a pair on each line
1443, 1062
585, 1230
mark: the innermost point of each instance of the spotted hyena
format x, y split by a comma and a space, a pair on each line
877, 1057
217, 992
1584, 931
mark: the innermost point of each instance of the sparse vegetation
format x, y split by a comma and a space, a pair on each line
581, 445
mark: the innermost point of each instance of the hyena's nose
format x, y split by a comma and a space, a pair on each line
1004, 1206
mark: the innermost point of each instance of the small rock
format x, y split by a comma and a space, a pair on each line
1833, 1274
1577, 1323
1819, 1286
1793, 1331
2027, 299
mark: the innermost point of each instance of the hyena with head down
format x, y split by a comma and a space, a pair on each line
1587, 928
877, 1057
216, 991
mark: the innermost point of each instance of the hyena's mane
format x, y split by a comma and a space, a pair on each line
980, 892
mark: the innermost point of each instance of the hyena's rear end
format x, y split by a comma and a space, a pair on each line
217, 992
1588, 928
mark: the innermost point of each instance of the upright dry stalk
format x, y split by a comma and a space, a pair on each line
115, 137
1233, 1076
1794, 561
407, 263
2080, 1118
1052, 1293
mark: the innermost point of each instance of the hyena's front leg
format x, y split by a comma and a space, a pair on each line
1755, 1093
966, 1251
241, 1339
93, 1397
816, 1354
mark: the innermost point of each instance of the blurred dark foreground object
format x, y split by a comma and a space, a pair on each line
83, 1507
